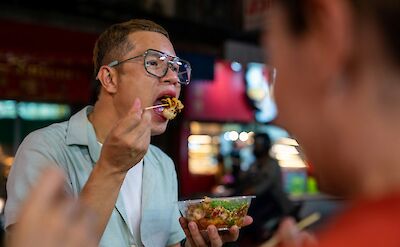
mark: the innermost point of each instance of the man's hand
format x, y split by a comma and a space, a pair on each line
125, 145
211, 237
289, 235
128, 141
49, 217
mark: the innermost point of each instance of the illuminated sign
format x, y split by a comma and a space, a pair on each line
259, 79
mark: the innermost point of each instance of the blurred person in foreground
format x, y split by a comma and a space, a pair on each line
50, 217
130, 185
338, 93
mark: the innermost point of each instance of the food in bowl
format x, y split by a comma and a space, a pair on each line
222, 212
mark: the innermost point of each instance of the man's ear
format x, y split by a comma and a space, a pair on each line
331, 26
106, 76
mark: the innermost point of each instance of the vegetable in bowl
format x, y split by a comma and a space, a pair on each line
221, 212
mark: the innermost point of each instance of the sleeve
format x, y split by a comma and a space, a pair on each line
33, 155
176, 234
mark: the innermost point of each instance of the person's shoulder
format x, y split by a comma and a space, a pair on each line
54, 133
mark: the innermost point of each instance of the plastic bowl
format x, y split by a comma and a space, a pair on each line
222, 212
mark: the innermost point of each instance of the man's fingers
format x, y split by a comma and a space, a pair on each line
184, 225
196, 234
213, 236
231, 235
247, 221
136, 108
143, 127
288, 233
132, 118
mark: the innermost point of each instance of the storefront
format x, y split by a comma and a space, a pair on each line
45, 76
220, 118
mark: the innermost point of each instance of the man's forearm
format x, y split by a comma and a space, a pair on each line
100, 194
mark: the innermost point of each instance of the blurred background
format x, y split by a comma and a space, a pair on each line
46, 76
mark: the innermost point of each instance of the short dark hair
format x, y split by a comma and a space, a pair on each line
113, 43
386, 13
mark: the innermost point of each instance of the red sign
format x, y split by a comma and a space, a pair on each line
254, 12
223, 99
43, 63
23, 77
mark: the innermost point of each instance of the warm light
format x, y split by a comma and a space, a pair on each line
287, 155
2, 203
288, 141
233, 135
199, 139
8, 161
243, 136
292, 163
195, 127
284, 149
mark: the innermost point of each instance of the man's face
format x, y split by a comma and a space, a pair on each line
134, 82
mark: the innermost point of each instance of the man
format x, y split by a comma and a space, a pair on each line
264, 180
338, 93
105, 150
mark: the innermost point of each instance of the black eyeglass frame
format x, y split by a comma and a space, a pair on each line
170, 64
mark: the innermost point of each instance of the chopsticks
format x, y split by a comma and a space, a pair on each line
312, 218
155, 106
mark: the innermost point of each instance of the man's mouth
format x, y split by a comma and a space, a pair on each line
159, 106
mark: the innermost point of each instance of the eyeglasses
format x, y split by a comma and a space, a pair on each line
157, 63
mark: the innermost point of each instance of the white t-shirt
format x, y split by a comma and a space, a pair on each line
131, 195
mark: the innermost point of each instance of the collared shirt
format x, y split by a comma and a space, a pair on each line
72, 146
131, 196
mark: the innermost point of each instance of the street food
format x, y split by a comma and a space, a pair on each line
174, 106
221, 212
170, 107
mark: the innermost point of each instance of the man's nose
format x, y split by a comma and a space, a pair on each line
171, 76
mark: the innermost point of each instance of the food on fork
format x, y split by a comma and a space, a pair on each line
173, 107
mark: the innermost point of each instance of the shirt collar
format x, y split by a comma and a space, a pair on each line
81, 132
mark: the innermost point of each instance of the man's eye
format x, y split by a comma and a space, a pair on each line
175, 68
152, 63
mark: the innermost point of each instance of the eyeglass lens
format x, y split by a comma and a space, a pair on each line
157, 64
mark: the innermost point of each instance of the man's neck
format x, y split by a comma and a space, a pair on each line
102, 119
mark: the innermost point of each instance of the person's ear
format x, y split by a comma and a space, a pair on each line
330, 32
106, 76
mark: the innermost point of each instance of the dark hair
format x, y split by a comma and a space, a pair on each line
262, 144
264, 139
113, 43
386, 13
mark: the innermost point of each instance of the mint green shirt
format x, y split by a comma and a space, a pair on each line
72, 146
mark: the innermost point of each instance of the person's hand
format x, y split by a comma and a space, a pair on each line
289, 235
49, 217
128, 141
211, 237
